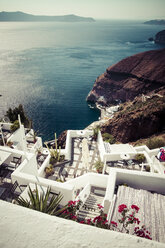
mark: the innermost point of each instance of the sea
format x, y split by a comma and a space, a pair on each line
50, 67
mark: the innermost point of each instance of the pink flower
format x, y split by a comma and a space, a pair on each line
99, 206
114, 223
135, 207
121, 208
82, 222
74, 217
88, 221
136, 220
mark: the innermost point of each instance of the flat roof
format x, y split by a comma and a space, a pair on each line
122, 149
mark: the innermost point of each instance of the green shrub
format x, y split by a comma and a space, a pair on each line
49, 170
42, 202
147, 168
59, 180
107, 137
140, 158
12, 114
99, 166
14, 126
95, 132
153, 143
120, 108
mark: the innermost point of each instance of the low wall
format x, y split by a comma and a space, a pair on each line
142, 180
66, 190
72, 134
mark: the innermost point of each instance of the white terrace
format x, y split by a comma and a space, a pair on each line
82, 180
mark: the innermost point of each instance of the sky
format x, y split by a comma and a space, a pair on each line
98, 9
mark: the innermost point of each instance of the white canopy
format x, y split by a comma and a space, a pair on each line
85, 154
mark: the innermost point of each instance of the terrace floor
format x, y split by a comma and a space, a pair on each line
151, 212
116, 164
75, 168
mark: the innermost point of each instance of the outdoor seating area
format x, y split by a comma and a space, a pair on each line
130, 164
75, 167
8, 164
9, 191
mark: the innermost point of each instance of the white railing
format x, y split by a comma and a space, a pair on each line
111, 209
101, 146
105, 166
84, 193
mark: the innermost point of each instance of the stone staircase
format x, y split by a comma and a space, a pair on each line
90, 208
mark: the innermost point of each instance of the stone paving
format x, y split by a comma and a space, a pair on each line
75, 168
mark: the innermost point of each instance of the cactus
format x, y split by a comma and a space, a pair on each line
54, 153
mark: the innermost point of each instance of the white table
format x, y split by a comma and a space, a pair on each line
41, 190
45, 152
125, 156
3, 156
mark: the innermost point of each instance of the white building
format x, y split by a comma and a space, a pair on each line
27, 159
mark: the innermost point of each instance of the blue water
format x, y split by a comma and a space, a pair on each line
51, 67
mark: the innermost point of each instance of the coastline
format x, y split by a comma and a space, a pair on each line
106, 113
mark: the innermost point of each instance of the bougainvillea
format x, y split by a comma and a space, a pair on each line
70, 210
128, 217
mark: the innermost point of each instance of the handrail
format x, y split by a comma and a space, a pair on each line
84, 193
111, 209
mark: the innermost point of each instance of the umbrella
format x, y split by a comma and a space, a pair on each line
85, 154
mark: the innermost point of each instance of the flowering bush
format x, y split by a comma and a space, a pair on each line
69, 212
127, 218
99, 221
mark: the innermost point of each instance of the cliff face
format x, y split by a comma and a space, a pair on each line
138, 119
160, 37
131, 77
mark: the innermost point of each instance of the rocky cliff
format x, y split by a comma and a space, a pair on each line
138, 74
160, 37
138, 119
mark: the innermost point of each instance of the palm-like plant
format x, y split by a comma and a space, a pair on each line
42, 202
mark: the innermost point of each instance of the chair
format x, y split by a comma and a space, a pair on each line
10, 192
15, 162
3, 171
120, 163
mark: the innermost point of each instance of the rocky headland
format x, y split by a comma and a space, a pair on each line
139, 82
135, 75
19, 16
160, 37
155, 22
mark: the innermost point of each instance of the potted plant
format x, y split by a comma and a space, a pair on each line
99, 166
39, 151
140, 158
95, 133
10, 143
55, 153
49, 170
14, 126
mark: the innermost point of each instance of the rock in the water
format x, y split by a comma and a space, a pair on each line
160, 37
135, 75
151, 39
